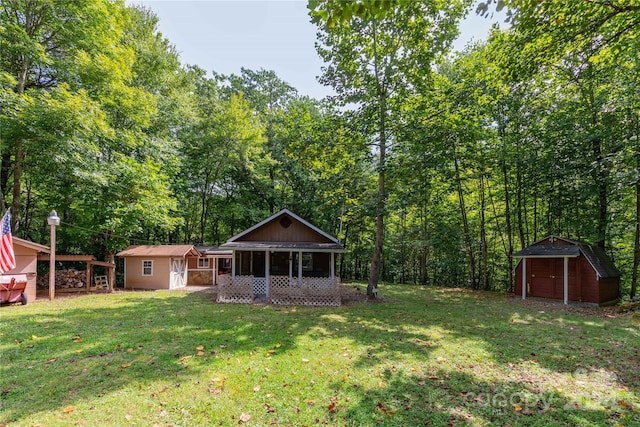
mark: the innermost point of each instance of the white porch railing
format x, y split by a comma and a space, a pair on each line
317, 291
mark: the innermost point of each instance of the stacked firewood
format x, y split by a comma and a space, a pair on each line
65, 279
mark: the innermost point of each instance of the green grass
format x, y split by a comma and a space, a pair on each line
423, 357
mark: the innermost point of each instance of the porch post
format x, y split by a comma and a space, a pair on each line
233, 263
300, 266
267, 266
332, 269
214, 270
524, 278
290, 267
566, 280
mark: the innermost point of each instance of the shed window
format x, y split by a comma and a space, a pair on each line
147, 268
203, 262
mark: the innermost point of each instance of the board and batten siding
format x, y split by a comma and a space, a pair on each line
275, 231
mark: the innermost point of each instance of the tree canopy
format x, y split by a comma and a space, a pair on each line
451, 162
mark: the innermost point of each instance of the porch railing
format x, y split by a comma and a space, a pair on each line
317, 291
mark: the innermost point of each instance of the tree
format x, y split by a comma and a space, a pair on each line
374, 60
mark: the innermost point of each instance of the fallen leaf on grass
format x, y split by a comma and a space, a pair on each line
200, 353
245, 417
384, 409
69, 409
433, 377
200, 347
269, 408
332, 407
126, 365
53, 359
311, 402
517, 407
625, 405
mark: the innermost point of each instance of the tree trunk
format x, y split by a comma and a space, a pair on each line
17, 177
520, 207
372, 287
465, 225
636, 243
483, 237
509, 231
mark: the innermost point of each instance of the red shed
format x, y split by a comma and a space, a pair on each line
568, 270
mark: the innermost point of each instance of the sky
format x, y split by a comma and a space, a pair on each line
226, 35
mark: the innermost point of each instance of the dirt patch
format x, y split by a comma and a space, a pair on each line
585, 309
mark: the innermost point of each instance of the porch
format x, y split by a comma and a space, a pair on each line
317, 291
282, 260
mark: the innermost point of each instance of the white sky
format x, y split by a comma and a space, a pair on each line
225, 35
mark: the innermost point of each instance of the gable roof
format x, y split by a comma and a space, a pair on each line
330, 243
597, 257
31, 245
159, 251
277, 215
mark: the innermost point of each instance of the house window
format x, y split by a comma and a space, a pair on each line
203, 262
147, 268
307, 261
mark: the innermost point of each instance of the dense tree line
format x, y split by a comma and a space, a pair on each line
431, 167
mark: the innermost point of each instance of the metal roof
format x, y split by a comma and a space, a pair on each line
159, 251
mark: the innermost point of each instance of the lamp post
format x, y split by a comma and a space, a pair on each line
53, 221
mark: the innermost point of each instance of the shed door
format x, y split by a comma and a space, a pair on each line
178, 271
547, 278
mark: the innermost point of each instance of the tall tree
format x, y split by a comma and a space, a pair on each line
374, 60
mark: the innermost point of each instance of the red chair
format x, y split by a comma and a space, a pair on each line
13, 289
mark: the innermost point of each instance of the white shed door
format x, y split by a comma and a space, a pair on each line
178, 273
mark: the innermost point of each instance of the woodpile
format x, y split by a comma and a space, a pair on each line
65, 279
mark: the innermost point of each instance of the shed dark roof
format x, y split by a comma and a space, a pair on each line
598, 259
548, 251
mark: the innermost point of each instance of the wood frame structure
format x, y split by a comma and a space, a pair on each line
283, 260
91, 261
587, 273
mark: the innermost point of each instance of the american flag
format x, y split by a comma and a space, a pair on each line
7, 257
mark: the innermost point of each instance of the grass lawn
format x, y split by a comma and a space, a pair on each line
425, 356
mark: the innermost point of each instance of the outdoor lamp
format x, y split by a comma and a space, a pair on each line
53, 220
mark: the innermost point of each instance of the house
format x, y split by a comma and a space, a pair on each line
156, 266
211, 263
568, 270
283, 260
26, 254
